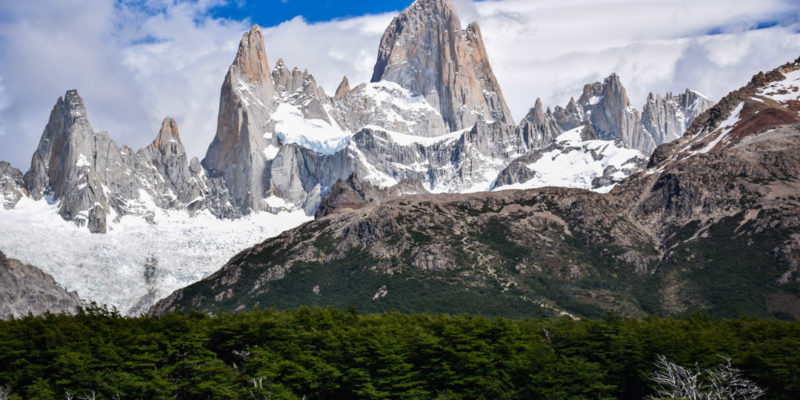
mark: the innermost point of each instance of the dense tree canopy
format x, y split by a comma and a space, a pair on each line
331, 354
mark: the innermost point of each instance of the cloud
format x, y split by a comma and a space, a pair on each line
349, 47
549, 50
136, 62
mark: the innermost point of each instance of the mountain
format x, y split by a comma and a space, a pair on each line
425, 50
93, 179
12, 185
282, 144
28, 290
713, 224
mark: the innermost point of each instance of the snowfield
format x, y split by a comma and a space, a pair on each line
574, 165
111, 268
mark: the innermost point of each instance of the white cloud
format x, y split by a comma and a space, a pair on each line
329, 50
134, 66
550, 49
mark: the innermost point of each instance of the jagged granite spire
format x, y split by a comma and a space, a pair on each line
174, 181
247, 99
64, 164
425, 50
65, 139
667, 118
539, 126
12, 186
342, 89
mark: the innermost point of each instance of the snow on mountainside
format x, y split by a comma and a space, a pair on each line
769, 100
577, 163
135, 263
437, 119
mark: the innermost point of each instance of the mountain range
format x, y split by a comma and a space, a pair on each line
712, 223
432, 123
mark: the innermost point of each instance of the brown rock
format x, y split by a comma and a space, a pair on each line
425, 50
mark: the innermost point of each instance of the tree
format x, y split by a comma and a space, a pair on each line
724, 382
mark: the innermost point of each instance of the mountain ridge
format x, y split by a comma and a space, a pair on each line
282, 144
716, 231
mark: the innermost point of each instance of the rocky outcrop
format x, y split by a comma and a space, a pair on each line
247, 99
353, 193
425, 50
606, 107
70, 161
28, 290
12, 186
540, 126
666, 118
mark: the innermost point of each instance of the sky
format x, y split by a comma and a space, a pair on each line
137, 61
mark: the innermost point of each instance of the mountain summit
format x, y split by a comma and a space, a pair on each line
245, 106
425, 51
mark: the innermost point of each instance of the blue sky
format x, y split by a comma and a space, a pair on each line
137, 61
273, 12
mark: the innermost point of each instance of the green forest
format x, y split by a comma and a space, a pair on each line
325, 353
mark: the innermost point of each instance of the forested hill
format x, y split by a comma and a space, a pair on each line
330, 354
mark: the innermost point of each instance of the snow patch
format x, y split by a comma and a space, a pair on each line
724, 128
82, 161
110, 268
314, 134
403, 139
575, 166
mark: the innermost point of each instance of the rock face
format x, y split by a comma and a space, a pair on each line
28, 290
237, 153
606, 107
12, 185
425, 50
666, 118
541, 126
92, 178
717, 230
353, 193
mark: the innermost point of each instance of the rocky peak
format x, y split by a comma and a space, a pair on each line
343, 89
667, 118
611, 92
425, 50
353, 193
65, 145
569, 117
167, 135
300, 89
12, 186
175, 183
247, 100
536, 114
251, 62
540, 127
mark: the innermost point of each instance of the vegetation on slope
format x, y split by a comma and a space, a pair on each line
330, 354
